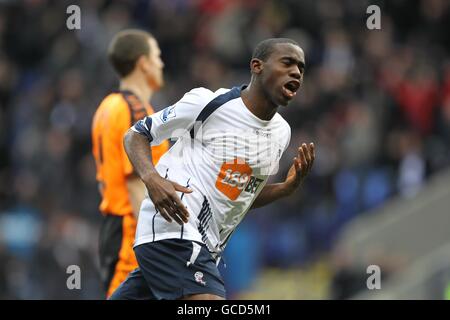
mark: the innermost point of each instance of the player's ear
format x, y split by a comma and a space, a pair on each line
256, 65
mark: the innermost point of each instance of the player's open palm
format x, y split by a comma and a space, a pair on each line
302, 165
166, 201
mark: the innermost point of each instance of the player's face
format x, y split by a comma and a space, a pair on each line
154, 73
282, 73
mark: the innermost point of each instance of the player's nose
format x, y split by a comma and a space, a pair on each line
295, 73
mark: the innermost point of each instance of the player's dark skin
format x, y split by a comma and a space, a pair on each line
274, 82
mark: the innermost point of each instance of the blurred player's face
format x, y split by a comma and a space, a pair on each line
281, 74
154, 66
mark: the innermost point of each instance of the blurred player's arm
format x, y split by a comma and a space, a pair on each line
300, 168
136, 193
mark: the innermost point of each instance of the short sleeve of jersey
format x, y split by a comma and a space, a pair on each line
176, 120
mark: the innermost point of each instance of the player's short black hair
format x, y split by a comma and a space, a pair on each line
125, 49
265, 48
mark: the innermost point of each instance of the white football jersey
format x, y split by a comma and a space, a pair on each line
223, 152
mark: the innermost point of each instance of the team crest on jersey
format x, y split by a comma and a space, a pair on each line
199, 278
168, 113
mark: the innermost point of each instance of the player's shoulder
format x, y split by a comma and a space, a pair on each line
208, 92
112, 109
284, 129
114, 104
280, 121
202, 95
221, 91
114, 101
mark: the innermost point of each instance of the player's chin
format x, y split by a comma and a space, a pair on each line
159, 83
156, 84
283, 100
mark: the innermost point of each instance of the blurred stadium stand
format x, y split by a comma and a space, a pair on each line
412, 227
426, 278
409, 239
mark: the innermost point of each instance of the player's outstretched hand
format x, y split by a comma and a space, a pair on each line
302, 165
166, 201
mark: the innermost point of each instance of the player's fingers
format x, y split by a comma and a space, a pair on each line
182, 216
164, 214
312, 150
180, 188
297, 165
176, 216
299, 158
303, 161
172, 211
307, 155
182, 211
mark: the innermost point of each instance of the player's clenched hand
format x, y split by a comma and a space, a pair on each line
302, 165
166, 201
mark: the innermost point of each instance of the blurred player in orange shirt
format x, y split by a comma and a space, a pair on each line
135, 56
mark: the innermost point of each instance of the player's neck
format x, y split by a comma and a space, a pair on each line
138, 86
255, 101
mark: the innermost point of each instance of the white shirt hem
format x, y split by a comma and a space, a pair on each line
167, 235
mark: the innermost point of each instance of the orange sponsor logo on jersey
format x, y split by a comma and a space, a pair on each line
233, 178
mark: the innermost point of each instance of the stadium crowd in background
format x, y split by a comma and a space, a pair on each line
376, 103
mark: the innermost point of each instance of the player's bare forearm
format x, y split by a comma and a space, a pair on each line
137, 149
300, 168
271, 193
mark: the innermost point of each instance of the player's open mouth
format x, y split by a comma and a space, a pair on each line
290, 88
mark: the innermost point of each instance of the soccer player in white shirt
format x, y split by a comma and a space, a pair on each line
228, 143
